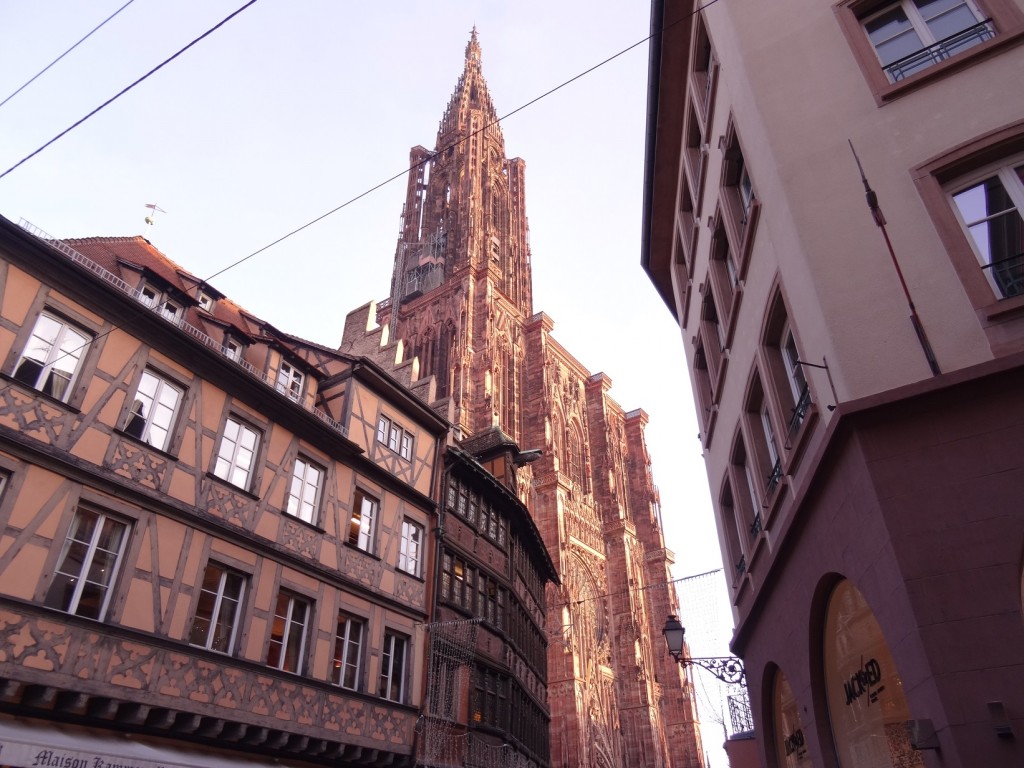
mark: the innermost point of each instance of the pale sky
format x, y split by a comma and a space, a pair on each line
296, 106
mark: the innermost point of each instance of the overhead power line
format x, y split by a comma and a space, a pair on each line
464, 139
374, 188
125, 90
69, 50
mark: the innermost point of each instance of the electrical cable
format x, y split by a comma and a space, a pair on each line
374, 188
69, 50
464, 139
125, 90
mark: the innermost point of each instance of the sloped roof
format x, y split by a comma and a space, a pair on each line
121, 255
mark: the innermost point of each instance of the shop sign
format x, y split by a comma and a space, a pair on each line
40, 756
862, 681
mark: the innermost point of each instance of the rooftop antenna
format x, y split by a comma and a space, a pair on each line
151, 218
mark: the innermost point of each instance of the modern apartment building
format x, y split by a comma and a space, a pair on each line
856, 348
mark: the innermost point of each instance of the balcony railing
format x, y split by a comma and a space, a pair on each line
1008, 274
772, 481
741, 566
940, 51
739, 711
796, 418
177, 321
755, 525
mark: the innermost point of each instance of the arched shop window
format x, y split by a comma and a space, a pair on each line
790, 736
866, 705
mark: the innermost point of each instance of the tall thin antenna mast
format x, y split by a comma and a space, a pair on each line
876, 214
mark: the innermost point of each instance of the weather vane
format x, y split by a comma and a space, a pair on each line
151, 218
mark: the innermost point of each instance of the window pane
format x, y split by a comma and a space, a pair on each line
946, 17
997, 230
893, 36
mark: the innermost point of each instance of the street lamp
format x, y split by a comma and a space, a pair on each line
728, 669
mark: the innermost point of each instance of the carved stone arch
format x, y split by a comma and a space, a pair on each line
426, 351
443, 368
557, 437
588, 612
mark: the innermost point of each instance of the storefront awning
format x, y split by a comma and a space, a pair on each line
29, 743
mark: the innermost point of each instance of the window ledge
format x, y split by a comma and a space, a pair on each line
796, 446
413, 576
232, 486
756, 550
286, 515
734, 310
354, 548
143, 444
1004, 309
709, 427
774, 501
21, 385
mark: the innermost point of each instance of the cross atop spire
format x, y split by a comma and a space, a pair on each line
473, 47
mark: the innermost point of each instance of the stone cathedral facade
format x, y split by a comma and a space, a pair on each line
461, 304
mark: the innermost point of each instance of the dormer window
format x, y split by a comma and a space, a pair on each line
206, 301
157, 299
232, 349
289, 381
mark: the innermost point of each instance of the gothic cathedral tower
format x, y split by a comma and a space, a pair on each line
464, 247
461, 303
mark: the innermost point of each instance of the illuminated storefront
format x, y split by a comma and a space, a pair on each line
790, 736
867, 708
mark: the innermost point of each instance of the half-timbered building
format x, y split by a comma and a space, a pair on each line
214, 536
487, 673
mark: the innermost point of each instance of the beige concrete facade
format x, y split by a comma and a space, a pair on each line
798, 334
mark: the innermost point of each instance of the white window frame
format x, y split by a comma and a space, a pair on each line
157, 300
152, 417
290, 381
363, 522
69, 342
769, 435
925, 37
305, 490
235, 462
392, 674
285, 609
348, 642
398, 439
1006, 172
206, 301
222, 602
790, 360
410, 553
745, 189
232, 349
73, 602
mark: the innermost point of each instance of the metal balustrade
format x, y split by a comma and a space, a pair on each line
739, 711
940, 51
803, 404
179, 322
1008, 274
